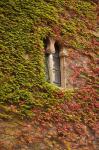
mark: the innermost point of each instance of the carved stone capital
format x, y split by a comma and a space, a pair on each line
51, 46
63, 52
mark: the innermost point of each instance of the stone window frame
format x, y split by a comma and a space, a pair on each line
63, 54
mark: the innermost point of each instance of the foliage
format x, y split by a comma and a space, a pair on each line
24, 25
60, 119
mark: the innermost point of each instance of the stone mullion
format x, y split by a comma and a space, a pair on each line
63, 56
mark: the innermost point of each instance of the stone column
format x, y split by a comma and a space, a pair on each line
51, 46
50, 50
63, 56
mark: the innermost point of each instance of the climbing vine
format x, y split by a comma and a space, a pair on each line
24, 25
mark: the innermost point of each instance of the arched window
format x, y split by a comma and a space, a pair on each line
56, 66
52, 62
56, 60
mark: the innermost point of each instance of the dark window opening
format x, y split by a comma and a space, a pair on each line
56, 66
47, 68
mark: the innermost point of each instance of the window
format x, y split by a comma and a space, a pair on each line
56, 59
56, 67
52, 61
46, 67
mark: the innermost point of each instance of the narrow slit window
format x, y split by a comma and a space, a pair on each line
56, 67
47, 68
52, 64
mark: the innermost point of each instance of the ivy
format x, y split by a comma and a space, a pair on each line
24, 25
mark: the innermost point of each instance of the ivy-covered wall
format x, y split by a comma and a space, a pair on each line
24, 26
60, 118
